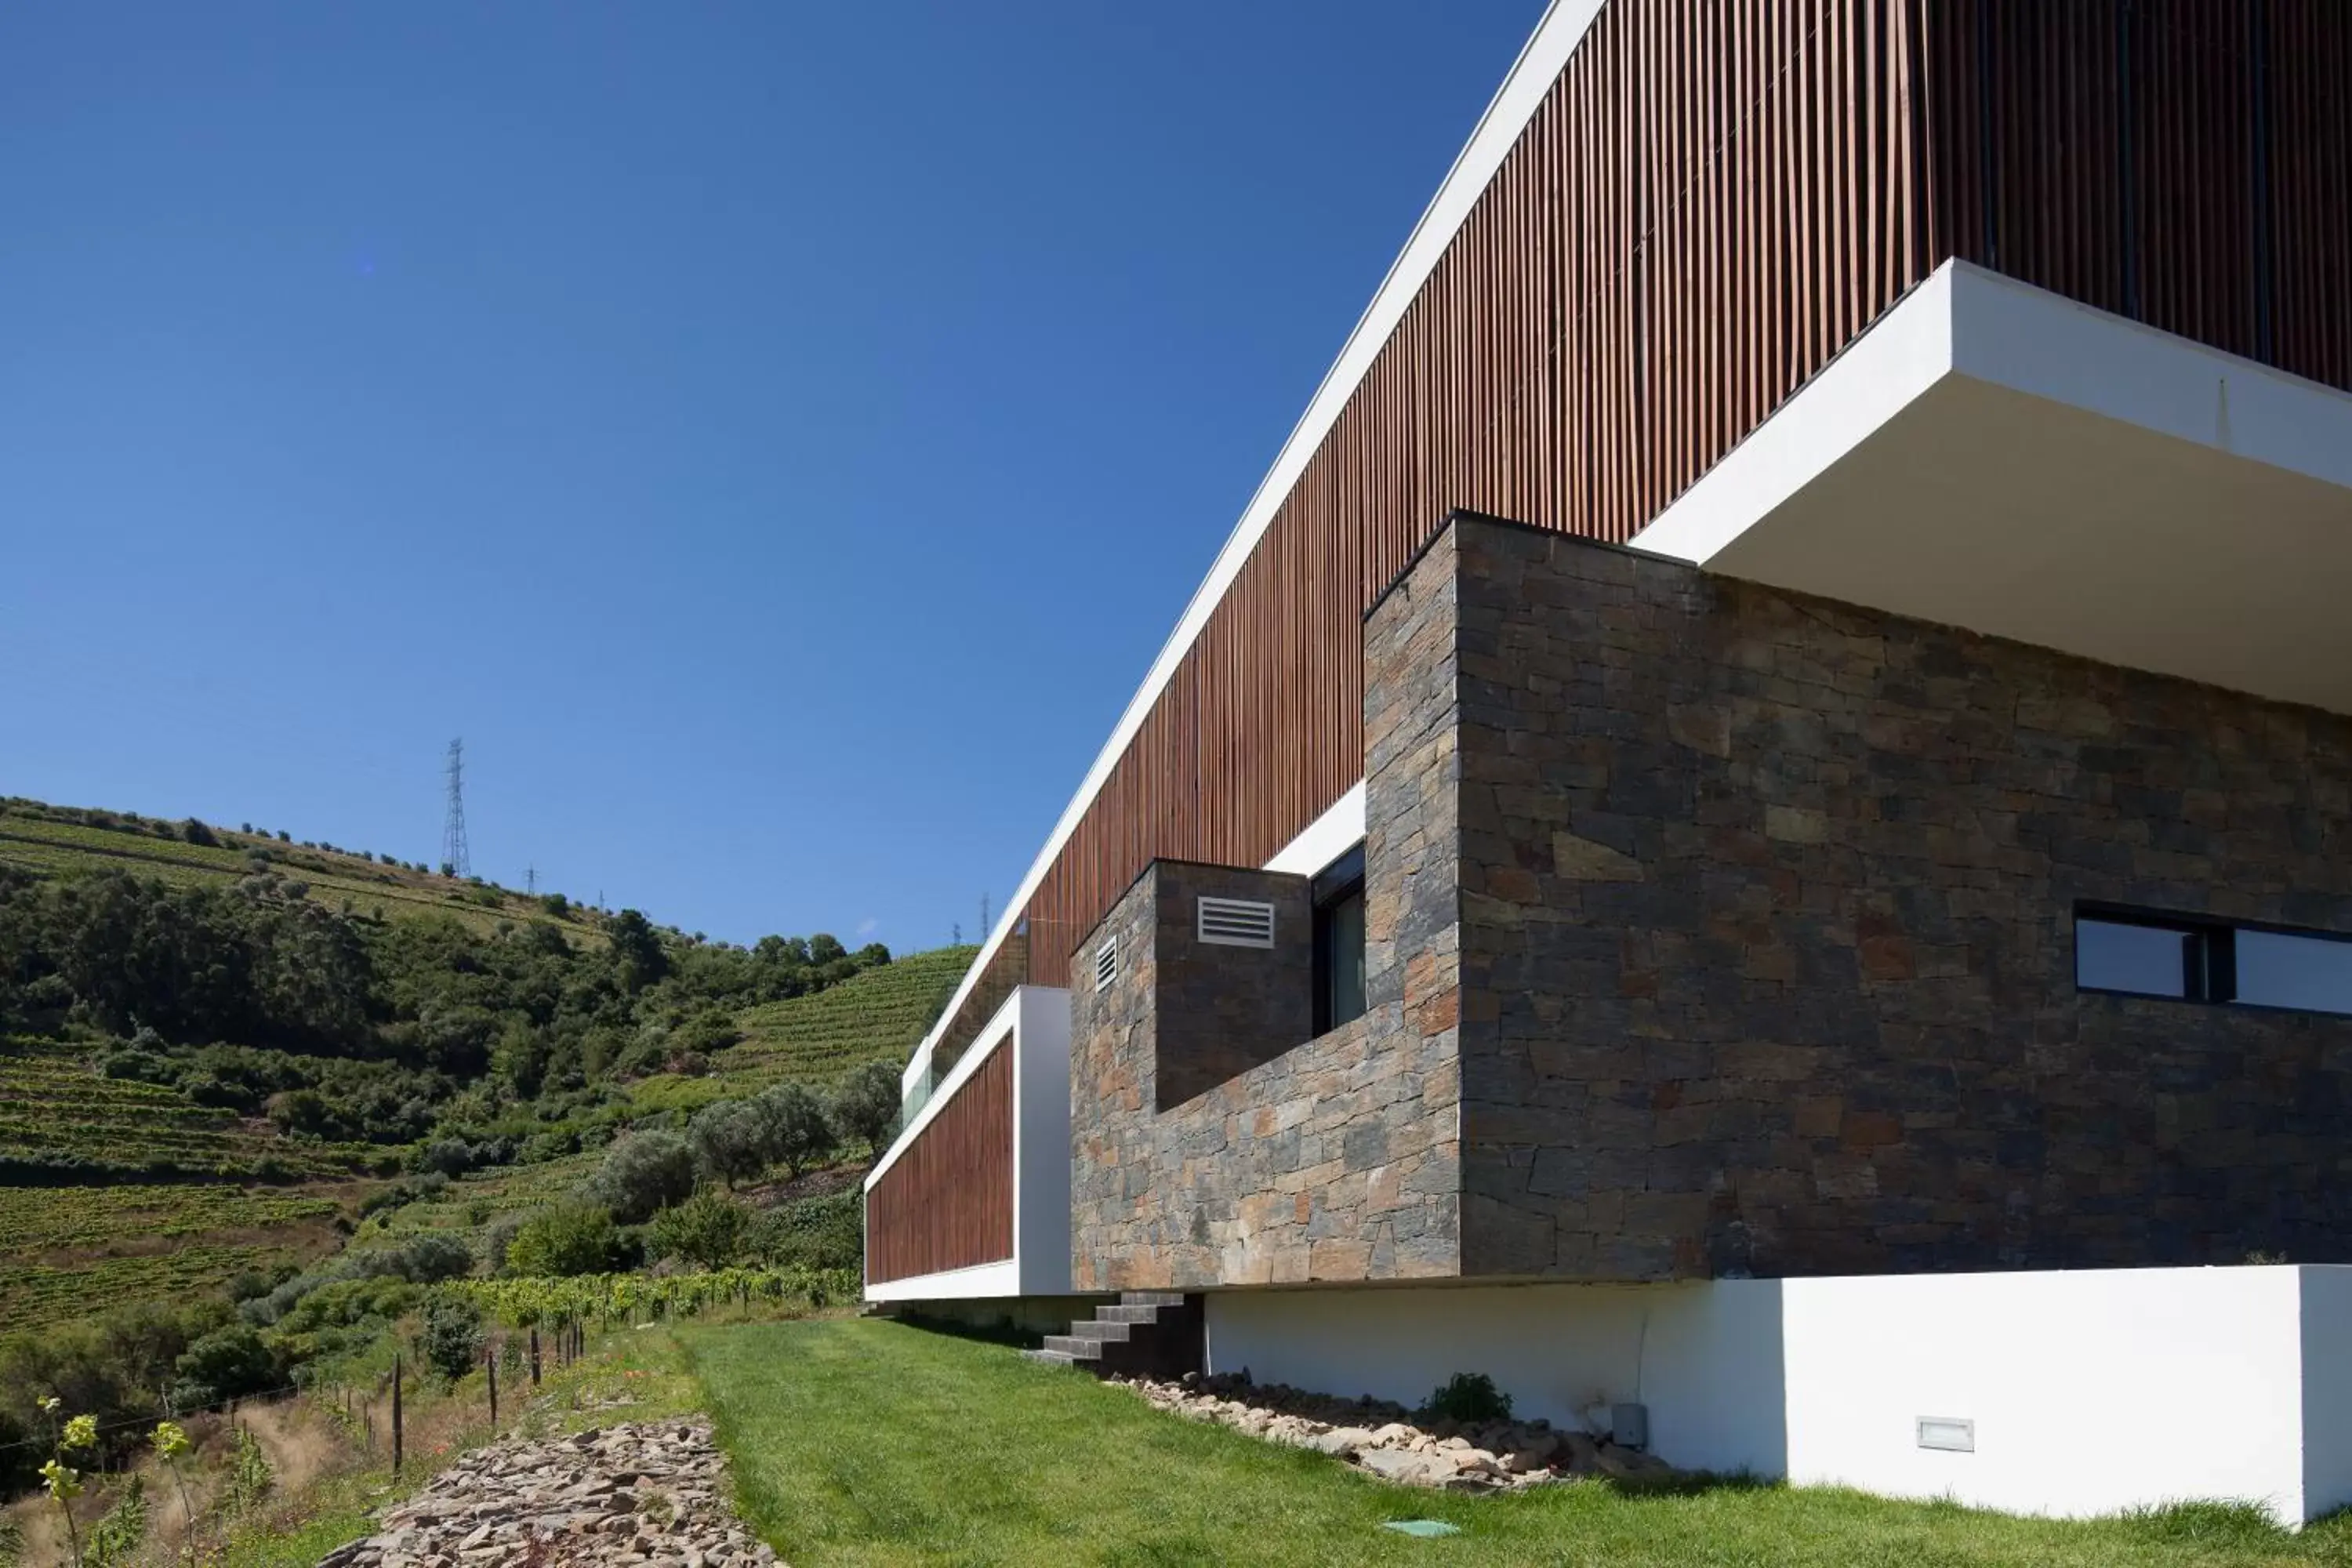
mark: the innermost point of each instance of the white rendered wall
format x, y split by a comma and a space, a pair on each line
2091, 1391
2326, 1390
1706, 1358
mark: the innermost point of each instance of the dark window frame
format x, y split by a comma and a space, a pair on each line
1334, 885
2210, 956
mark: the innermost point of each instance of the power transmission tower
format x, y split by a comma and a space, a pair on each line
983, 917
455, 857
530, 879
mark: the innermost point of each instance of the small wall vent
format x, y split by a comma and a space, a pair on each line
1236, 922
1106, 963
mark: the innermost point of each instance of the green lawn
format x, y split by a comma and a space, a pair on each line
865, 1442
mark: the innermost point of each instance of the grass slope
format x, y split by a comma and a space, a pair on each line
870, 1443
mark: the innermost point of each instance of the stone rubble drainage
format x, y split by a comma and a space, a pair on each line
1376, 1437
648, 1495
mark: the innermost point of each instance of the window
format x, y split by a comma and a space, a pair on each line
2196, 960
1340, 941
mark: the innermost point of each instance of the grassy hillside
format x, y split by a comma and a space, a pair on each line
50, 840
144, 1165
877, 1017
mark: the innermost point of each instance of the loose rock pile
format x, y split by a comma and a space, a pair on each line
1382, 1438
645, 1495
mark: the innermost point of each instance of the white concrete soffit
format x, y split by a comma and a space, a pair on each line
1563, 26
1995, 457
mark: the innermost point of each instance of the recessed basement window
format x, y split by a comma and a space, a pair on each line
2193, 960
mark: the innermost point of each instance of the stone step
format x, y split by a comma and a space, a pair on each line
1074, 1347
1099, 1330
1150, 1297
1126, 1314
1050, 1357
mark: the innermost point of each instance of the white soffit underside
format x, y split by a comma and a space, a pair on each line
1993, 457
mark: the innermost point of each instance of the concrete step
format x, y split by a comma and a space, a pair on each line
1050, 1357
1150, 1297
1123, 1313
1074, 1347
1097, 1330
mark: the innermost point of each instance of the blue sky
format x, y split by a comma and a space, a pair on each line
776, 436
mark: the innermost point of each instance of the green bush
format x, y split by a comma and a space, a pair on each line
227, 1363
1468, 1397
814, 1233
570, 1238
708, 1230
450, 1339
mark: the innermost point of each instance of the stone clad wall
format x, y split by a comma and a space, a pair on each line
1767, 909
1224, 1010
1339, 1158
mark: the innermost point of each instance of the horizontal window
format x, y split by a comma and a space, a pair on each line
2151, 954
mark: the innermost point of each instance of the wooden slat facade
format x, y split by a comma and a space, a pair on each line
1712, 201
947, 1203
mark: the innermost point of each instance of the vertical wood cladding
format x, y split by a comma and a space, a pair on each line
947, 1201
1711, 201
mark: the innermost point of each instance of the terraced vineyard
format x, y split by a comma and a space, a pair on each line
469, 1204
877, 1017
34, 1294
54, 1106
48, 846
71, 1249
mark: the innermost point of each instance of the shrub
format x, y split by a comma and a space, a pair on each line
450, 1340
570, 1238
644, 1174
814, 1233
227, 1363
195, 832
431, 1259
706, 1230
1468, 1397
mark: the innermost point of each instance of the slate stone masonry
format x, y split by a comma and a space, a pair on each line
1767, 939
1339, 1158
1712, 930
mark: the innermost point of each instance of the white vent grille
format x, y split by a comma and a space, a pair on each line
1236, 922
1106, 963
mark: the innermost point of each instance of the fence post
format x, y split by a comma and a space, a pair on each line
490, 1363
534, 1355
395, 1416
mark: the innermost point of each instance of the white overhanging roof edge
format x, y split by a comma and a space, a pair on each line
1563, 26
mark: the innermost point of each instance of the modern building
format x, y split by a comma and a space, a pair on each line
1757, 817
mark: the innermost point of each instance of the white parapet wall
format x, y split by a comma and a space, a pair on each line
2064, 1392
